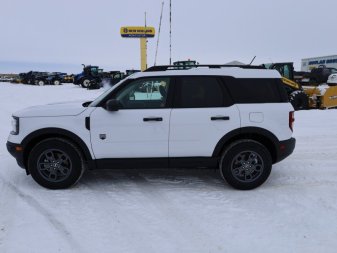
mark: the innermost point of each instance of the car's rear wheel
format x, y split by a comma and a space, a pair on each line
40, 82
57, 82
245, 164
55, 163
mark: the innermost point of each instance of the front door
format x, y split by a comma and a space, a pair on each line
140, 128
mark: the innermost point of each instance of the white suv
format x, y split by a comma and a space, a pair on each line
236, 119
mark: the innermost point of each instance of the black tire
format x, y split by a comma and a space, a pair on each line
40, 82
55, 163
245, 164
56, 82
299, 100
85, 83
94, 85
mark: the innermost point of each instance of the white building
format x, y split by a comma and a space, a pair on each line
310, 63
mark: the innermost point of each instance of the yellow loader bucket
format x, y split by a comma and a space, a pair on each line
321, 96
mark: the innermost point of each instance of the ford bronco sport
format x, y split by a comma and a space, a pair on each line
234, 118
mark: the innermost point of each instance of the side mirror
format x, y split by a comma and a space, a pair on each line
112, 105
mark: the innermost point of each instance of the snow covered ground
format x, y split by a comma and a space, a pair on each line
171, 211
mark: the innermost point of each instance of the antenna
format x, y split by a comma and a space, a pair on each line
161, 16
145, 42
252, 60
170, 32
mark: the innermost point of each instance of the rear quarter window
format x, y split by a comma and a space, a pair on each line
256, 90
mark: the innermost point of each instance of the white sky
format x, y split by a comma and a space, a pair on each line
72, 32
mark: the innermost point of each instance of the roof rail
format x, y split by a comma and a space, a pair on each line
211, 66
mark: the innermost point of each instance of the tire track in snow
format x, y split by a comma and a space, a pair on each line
58, 225
177, 221
129, 225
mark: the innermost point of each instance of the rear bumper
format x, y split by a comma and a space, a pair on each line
16, 151
285, 149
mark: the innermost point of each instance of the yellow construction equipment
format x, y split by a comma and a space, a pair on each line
321, 96
317, 96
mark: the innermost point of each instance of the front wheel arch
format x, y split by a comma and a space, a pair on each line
35, 137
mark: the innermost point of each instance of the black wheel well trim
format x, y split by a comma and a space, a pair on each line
35, 137
261, 135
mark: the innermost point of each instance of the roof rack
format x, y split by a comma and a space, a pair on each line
211, 66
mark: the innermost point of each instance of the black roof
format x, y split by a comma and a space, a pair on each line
211, 66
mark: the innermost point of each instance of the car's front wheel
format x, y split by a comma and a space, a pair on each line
245, 164
55, 163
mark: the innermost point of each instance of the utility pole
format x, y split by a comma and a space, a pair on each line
170, 32
161, 16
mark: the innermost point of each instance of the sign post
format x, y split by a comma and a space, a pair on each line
142, 33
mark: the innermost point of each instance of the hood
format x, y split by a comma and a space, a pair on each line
78, 75
52, 110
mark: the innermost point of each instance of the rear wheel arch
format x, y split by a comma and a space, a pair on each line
36, 137
263, 136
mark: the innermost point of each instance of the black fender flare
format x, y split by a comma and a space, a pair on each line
248, 132
33, 138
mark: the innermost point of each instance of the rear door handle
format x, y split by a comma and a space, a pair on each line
153, 119
219, 118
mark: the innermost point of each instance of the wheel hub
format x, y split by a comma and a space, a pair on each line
54, 165
247, 166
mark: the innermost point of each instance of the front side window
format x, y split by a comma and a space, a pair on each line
145, 93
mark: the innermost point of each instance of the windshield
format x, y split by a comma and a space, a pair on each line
267, 65
104, 94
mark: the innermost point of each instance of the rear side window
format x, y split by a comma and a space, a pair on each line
256, 90
199, 92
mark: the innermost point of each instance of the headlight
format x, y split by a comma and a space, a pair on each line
15, 126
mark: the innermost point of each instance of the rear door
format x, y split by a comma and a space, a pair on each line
203, 113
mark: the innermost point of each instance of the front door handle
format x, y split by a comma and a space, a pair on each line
219, 118
153, 119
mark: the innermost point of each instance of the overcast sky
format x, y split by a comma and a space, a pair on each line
70, 32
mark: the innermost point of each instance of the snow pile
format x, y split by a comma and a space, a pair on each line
322, 88
171, 211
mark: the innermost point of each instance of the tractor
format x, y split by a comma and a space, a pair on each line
185, 64
89, 74
318, 94
111, 78
31, 76
297, 96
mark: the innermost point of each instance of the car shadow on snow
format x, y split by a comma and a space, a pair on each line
173, 178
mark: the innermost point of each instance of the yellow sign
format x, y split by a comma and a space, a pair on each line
137, 32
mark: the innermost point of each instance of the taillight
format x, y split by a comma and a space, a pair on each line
291, 120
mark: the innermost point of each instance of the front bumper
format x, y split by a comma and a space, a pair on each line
285, 149
17, 152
